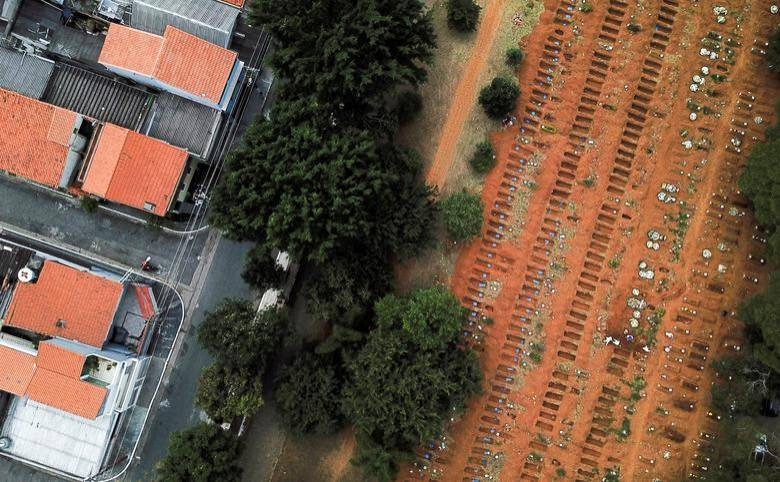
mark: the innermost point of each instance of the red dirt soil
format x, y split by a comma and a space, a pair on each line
465, 93
605, 121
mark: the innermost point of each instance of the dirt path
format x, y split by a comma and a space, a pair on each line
466, 93
608, 154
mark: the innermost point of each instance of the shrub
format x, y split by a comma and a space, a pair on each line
408, 106
499, 98
514, 57
462, 15
89, 204
586, 7
484, 158
634, 27
461, 214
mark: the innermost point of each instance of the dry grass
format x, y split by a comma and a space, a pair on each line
479, 125
443, 74
438, 264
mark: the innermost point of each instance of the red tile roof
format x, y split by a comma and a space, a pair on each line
65, 393
34, 139
132, 169
145, 299
66, 302
179, 59
16, 370
131, 49
60, 360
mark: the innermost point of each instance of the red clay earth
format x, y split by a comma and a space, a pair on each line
612, 194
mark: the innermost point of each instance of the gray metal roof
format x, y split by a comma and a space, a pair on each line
24, 73
207, 19
182, 123
98, 96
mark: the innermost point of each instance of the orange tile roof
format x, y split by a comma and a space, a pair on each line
235, 3
60, 360
132, 169
83, 303
131, 49
143, 294
34, 139
16, 370
178, 59
65, 393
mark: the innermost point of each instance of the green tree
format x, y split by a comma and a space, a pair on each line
412, 373
348, 53
345, 288
462, 15
301, 185
761, 314
203, 453
499, 98
461, 214
261, 270
514, 57
225, 393
308, 394
239, 337
743, 383
773, 53
760, 182
376, 462
734, 458
484, 158
400, 394
408, 105
432, 317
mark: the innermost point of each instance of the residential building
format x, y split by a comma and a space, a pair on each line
209, 20
71, 363
176, 62
60, 149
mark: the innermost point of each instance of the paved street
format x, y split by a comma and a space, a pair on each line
60, 219
176, 410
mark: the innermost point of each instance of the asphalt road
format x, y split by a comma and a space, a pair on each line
177, 409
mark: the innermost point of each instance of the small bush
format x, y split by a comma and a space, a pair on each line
634, 27
462, 15
514, 57
484, 158
89, 204
586, 7
408, 106
461, 215
499, 98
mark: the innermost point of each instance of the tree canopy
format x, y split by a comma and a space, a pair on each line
760, 182
308, 394
499, 98
299, 186
239, 337
261, 270
514, 57
203, 453
761, 314
461, 214
348, 53
225, 394
773, 53
411, 374
432, 317
463, 15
